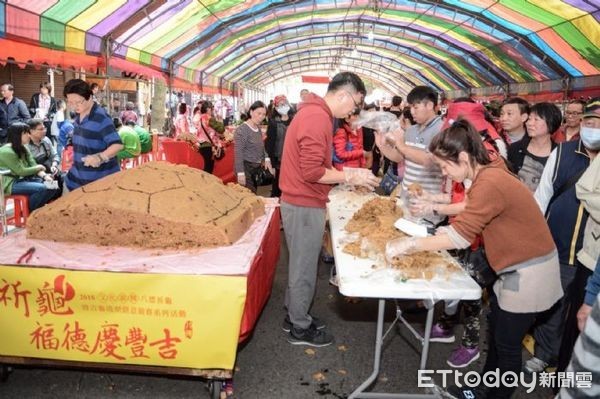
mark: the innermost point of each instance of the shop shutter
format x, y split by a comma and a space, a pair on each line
27, 81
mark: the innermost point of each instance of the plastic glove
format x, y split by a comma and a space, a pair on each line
361, 177
440, 198
400, 246
241, 179
396, 136
269, 165
442, 230
420, 208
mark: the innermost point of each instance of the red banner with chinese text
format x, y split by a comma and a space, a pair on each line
130, 318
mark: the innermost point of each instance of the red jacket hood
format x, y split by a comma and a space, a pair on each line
312, 100
474, 113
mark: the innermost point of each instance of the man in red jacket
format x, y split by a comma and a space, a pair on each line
306, 178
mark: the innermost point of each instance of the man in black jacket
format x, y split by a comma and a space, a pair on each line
12, 109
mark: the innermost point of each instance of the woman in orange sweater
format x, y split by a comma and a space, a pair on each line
499, 207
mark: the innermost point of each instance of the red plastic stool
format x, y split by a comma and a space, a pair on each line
21, 210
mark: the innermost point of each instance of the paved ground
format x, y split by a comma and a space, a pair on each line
269, 367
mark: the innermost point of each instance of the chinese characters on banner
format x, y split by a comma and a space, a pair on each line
165, 320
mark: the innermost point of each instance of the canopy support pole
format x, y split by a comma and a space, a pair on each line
566, 88
107, 54
172, 109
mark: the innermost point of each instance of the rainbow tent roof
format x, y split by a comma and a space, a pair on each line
449, 44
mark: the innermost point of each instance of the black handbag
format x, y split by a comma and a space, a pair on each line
218, 152
262, 177
476, 264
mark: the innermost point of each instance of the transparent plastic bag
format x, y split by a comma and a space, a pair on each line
380, 121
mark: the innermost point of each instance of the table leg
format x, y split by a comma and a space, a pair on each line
359, 392
377, 359
425, 351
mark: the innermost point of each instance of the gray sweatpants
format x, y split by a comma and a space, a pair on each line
304, 228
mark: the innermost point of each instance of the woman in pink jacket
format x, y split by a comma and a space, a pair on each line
348, 150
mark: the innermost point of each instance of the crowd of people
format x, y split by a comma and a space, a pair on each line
504, 191
516, 196
35, 139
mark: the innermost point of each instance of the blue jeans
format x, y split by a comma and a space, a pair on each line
38, 194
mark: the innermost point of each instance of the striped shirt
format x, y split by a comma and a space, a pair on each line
585, 362
419, 136
92, 135
248, 146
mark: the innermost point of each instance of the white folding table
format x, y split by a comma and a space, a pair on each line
357, 278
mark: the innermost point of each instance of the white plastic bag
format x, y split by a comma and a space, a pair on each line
381, 121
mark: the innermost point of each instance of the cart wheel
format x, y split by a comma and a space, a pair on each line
214, 388
4, 372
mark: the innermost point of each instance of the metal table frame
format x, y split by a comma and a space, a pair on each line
380, 337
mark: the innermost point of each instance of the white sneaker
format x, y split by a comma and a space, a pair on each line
535, 365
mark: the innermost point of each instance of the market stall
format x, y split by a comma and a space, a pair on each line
363, 277
163, 311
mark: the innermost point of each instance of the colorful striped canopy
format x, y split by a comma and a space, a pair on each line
449, 44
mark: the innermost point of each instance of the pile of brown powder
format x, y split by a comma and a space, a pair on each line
374, 224
156, 205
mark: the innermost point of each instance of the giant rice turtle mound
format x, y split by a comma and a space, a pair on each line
156, 205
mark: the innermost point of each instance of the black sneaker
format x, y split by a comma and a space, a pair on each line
287, 324
311, 337
467, 393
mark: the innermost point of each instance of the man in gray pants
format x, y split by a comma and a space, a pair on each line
306, 178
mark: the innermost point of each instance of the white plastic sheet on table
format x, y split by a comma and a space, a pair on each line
235, 259
358, 278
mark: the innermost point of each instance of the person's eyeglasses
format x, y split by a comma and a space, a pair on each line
76, 103
573, 113
357, 106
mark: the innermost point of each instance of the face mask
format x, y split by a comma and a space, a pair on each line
590, 137
283, 110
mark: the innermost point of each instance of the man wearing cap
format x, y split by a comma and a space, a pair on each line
567, 219
588, 194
